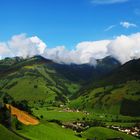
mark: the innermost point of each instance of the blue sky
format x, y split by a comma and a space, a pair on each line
67, 22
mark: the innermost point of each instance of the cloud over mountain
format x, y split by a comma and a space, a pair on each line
83, 52
123, 48
21, 45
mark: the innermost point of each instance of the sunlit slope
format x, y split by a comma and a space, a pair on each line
117, 99
48, 131
117, 92
35, 79
22, 116
104, 133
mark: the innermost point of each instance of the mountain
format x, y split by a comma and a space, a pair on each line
34, 79
40, 78
128, 71
86, 72
75, 100
108, 86
117, 92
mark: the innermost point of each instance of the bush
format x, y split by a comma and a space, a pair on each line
5, 117
130, 107
11, 85
23, 105
35, 86
18, 125
7, 99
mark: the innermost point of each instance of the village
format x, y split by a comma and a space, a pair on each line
80, 126
135, 131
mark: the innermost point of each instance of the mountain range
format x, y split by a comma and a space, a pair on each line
105, 88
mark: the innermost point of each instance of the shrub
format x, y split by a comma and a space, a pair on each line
35, 86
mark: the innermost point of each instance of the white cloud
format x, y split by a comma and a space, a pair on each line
127, 25
21, 45
41, 45
102, 2
123, 48
109, 28
83, 52
4, 50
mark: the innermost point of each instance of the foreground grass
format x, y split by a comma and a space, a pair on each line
104, 133
5, 134
48, 131
52, 131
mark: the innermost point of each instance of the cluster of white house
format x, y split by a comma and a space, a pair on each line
135, 131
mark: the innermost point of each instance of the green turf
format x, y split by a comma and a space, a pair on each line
48, 131
58, 114
101, 133
25, 89
5, 134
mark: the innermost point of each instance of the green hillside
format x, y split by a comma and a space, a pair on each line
6, 134
117, 92
116, 99
71, 101
48, 131
34, 80
104, 134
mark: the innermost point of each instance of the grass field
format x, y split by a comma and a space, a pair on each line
101, 133
51, 131
27, 91
48, 131
7, 135
58, 114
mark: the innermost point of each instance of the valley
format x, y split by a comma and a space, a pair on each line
69, 102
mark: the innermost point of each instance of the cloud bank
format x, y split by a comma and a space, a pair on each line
123, 48
21, 45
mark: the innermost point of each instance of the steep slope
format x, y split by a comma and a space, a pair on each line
38, 78
86, 72
117, 92
34, 79
119, 99
128, 71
